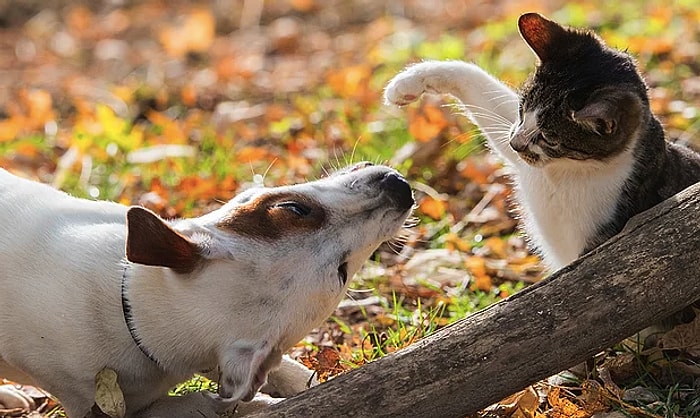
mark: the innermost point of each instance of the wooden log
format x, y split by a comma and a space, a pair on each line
647, 272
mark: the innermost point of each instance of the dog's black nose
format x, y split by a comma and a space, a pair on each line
398, 189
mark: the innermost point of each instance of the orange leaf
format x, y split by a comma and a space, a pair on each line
200, 30
38, 105
80, 19
195, 35
27, 150
521, 404
426, 123
250, 154
497, 247
172, 132
188, 94
477, 267
478, 171
454, 241
562, 407
325, 363
10, 128
432, 207
350, 81
303, 5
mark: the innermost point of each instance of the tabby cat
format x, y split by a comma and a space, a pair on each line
585, 150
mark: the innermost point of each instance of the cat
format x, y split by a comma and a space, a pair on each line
585, 150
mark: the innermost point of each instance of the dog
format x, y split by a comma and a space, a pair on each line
87, 285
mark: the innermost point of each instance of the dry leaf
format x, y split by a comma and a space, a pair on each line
108, 395
13, 400
325, 363
432, 207
562, 407
350, 81
195, 34
522, 404
477, 267
497, 246
593, 397
454, 241
251, 154
426, 123
684, 337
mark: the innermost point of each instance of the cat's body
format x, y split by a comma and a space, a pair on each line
585, 151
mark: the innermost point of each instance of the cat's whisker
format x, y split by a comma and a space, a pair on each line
480, 111
489, 117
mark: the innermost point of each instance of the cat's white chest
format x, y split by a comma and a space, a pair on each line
562, 209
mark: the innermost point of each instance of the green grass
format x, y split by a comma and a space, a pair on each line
321, 128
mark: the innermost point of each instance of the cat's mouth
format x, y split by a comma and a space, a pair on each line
531, 158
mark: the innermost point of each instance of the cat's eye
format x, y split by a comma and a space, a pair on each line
294, 207
577, 99
545, 138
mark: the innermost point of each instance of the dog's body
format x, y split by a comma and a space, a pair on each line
230, 290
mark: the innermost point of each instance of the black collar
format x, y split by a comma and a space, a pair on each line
126, 310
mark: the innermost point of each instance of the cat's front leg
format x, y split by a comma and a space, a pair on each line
488, 103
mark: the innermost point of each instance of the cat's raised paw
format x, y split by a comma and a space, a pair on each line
405, 88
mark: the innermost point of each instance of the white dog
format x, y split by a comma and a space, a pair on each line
228, 292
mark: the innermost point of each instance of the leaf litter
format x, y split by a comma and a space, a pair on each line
177, 107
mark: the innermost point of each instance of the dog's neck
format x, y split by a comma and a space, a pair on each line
126, 311
172, 345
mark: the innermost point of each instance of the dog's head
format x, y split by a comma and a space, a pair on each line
274, 262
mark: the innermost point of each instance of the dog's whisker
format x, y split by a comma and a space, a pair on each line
267, 170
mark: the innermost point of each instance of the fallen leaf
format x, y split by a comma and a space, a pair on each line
477, 267
13, 400
326, 363
562, 407
251, 154
684, 337
349, 81
426, 123
108, 395
433, 208
497, 246
195, 34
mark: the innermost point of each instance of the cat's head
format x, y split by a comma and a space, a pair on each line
585, 101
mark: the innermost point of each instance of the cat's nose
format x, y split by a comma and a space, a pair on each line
519, 142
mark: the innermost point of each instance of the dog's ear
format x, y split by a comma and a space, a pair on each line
151, 241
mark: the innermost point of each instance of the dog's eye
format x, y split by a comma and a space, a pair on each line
343, 273
294, 207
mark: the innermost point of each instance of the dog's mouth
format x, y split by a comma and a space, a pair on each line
343, 273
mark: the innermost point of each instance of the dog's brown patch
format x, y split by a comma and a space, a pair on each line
272, 216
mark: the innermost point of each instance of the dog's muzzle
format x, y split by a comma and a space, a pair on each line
398, 190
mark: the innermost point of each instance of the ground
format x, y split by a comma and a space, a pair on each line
179, 105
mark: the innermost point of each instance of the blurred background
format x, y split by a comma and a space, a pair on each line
179, 105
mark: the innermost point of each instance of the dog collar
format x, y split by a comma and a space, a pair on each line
128, 318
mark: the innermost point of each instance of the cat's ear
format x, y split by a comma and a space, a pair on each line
604, 110
540, 34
